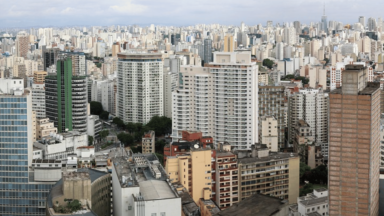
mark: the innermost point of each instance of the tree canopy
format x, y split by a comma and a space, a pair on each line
104, 115
160, 124
125, 138
118, 122
96, 108
268, 63
104, 133
90, 140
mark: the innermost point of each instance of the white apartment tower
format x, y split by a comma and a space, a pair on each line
310, 105
38, 99
224, 102
139, 87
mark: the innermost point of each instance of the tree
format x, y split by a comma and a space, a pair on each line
290, 76
90, 140
159, 146
104, 133
308, 188
96, 108
160, 157
104, 115
160, 124
304, 168
125, 138
268, 63
303, 79
74, 205
131, 127
137, 149
118, 122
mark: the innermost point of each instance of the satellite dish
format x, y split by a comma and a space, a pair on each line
196, 146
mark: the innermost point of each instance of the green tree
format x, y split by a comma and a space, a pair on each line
290, 76
119, 122
159, 146
90, 140
160, 157
137, 149
131, 127
160, 124
268, 63
308, 188
96, 108
74, 205
104, 115
303, 79
104, 133
125, 138
304, 168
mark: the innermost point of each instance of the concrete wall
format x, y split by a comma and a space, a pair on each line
294, 179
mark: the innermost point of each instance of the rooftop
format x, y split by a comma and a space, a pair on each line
258, 204
272, 157
368, 90
154, 190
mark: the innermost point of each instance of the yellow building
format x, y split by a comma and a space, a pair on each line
44, 127
39, 76
193, 171
273, 174
229, 44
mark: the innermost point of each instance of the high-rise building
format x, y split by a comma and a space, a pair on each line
20, 193
66, 97
171, 79
38, 99
354, 145
22, 44
310, 105
49, 57
297, 26
139, 87
207, 50
229, 43
362, 20
220, 100
272, 102
79, 67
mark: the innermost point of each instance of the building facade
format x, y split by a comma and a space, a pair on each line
139, 87
38, 99
354, 145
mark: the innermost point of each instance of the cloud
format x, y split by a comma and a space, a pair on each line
129, 8
27, 13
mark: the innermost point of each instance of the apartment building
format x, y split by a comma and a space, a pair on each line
310, 105
139, 86
44, 127
264, 172
38, 99
193, 103
225, 95
354, 145
272, 102
268, 132
148, 142
39, 76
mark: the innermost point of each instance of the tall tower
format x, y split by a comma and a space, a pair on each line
139, 86
66, 97
324, 23
228, 43
354, 145
207, 50
20, 194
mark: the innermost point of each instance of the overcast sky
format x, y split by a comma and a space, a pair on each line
33, 13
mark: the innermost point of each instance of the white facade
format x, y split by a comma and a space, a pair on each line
38, 100
219, 99
139, 87
311, 203
58, 146
311, 105
170, 80
93, 126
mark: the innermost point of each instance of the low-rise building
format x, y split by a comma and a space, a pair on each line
44, 127
315, 203
140, 184
264, 172
90, 187
148, 142
94, 126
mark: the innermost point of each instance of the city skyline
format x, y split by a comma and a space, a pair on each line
23, 14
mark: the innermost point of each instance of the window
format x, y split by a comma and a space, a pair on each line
153, 214
162, 214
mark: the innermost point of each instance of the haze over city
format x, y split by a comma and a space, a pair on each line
26, 13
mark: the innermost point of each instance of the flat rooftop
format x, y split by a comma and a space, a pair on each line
258, 204
272, 157
154, 190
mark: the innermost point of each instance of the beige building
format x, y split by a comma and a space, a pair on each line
263, 77
229, 43
90, 187
148, 142
44, 127
303, 135
39, 76
268, 132
193, 171
273, 174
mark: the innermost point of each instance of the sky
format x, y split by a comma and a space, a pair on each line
62, 13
